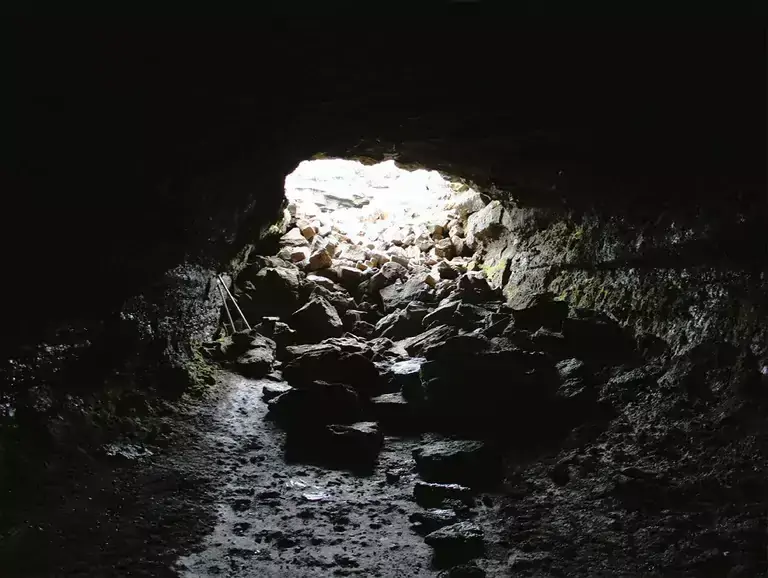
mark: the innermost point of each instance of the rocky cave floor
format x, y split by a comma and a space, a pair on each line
389, 415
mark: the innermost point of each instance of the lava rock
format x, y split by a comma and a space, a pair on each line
355, 444
272, 390
467, 203
460, 541
463, 461
572, 369
416, 288
431, 495
432, 519
405, 375
596, 337
321, 404
294, 254
394, 412
316, 321
485, 223
272, 291
387, 275
256, 362
294, 238
320, 259
333, 365
442, 315
446, 271
403, 323
444, 249
472, 287
539, 310
435, 335
363, 329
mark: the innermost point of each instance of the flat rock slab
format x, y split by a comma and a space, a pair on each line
432, 519
272, 390
461, 541
464, 461
431, 495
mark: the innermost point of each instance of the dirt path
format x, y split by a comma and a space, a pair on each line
285, 520
222, 501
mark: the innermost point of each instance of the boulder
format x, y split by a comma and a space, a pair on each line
272, 390
551, 342
321, 404
331, 274
444, 249
399, 295
402, 323
350, 276
416, 344
432, 519
424, 242
457, 349
466, 462
271, 291
539, 310
447, 271
256, 362
340, 299
460, 541
357, 444
363, 329
442, 315
473, 288
307, 230
320, 259
432, 495
404, 376
387, 275
323, 282
467, 203
572, 369
294, 254
333, 365
353, 252
316, 321
485, 224
394, 412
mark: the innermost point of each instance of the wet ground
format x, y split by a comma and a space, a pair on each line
281, 520
222, 501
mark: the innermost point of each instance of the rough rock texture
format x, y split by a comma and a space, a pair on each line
144, 170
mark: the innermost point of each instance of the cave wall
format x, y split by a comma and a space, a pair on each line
140, 150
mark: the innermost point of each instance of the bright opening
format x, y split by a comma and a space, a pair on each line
367, 215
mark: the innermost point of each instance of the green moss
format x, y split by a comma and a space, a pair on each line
493, 270
200, 372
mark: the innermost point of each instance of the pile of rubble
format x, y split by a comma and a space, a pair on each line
390, 329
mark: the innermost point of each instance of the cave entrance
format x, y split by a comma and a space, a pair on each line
365, 215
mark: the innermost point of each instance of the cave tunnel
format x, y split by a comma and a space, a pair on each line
557, 365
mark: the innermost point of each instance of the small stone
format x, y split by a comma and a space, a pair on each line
446, 271
294, 238
272, 390
424, 242
306, 228
432, 519
320, 260
431, 495
463, 540
444, 249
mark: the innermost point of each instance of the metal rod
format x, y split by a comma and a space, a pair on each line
224, 299
235, 302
